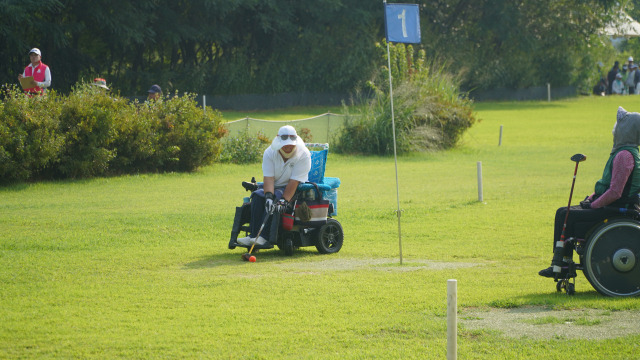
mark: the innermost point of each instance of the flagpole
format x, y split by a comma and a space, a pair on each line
395, 155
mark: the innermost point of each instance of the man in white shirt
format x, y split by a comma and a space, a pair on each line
285, 164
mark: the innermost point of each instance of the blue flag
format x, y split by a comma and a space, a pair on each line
402, 23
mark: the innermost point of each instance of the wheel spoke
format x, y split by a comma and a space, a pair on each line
612, 259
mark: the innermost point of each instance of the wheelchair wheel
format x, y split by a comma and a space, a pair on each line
611, 261
287, 244
330, 237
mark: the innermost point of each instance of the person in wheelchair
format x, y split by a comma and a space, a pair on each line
285, 164
619, 187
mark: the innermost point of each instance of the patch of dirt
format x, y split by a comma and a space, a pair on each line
542, 323
387, 264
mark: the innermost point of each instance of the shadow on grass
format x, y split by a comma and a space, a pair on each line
234, 258
551, 298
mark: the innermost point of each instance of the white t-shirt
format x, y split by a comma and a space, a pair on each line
296, 168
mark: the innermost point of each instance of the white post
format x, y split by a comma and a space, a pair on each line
395, 155
480, 197
500, 141
548, 92
204, 104
452, 319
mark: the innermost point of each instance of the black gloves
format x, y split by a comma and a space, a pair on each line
281, 206
586, 203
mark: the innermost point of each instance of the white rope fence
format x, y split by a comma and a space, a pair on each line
321, 127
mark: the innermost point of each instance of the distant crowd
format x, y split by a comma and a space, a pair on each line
620, 81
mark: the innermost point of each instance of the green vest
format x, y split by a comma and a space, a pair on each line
632, 188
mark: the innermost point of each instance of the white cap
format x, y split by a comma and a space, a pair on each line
287, 130
630, 58
35, 50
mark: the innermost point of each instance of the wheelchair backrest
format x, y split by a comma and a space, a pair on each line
318, 161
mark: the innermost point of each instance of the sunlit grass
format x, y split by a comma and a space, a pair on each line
138, 266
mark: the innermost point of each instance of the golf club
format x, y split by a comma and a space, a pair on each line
558, 252
247, 256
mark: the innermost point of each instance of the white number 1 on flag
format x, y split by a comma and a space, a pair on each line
404, 23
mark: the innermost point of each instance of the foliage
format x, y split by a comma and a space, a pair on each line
305, 134
430, 112
248, 47
188, 138
244, 148
213, 47
29, 136
93, 133
518, 44
88, 119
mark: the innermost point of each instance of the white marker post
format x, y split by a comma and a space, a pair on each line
204, 104
480, 197
452, 319
500, 140
548, 92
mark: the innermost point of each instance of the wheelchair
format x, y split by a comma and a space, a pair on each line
322, 231
609, 256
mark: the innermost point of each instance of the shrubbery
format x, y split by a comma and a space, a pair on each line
93, 133
430, 111
244, 148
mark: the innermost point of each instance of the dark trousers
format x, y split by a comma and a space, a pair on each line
578, 224
258, 213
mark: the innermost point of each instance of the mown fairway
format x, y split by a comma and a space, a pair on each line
138, 266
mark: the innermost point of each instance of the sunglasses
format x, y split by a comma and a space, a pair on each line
284, 137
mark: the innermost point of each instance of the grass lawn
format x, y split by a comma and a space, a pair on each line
137, 267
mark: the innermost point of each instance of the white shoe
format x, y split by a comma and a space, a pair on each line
246, 241
261, 241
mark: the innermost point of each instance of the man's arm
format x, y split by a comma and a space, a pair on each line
268, 184
290, 190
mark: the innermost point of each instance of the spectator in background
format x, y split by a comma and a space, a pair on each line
601, 88
611, 76
39, 71
624, 77
155, 92
617, 88
631, 79
101, 83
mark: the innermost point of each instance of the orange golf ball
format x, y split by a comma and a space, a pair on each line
252, 258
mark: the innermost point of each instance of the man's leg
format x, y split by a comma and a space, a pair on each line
258, 213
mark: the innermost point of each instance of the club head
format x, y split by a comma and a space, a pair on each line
246, 256
578, 158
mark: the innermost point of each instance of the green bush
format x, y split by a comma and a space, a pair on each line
430, 112
188, 137
29, 134
244, 148
88, 119
94, 133
136, 143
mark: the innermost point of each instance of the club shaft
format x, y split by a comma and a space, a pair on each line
566, 217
